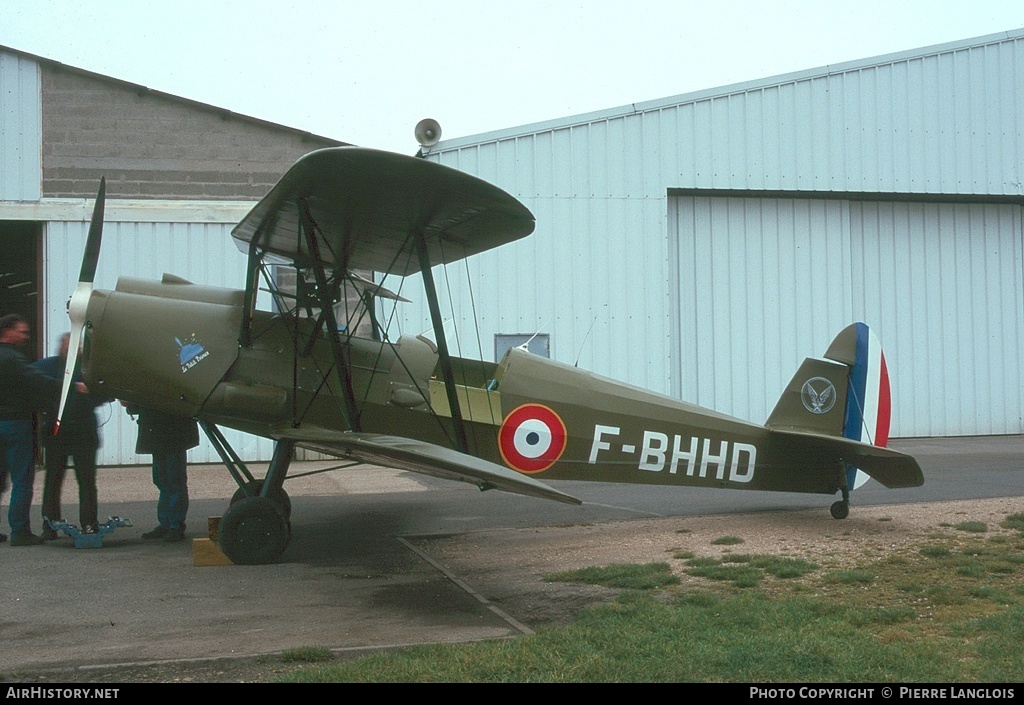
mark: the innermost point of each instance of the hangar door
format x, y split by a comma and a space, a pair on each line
761, 283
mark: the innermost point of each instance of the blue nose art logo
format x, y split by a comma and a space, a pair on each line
190, 352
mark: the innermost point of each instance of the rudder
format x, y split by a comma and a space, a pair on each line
855, 374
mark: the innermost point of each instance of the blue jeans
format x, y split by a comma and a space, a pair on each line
16, 460
171, 477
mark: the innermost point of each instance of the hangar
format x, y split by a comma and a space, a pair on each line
180, 175
704, 244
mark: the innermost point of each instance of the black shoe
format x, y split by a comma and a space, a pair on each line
175, 535
49, 534
157, 533
3, 537
28, 539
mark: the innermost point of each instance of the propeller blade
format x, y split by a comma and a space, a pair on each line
92, 244
79, 303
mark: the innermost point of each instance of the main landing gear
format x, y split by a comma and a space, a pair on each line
255, 528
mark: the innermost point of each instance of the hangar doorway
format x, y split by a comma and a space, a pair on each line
761, 283
20, 275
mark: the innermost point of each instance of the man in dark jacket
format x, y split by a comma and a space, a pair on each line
167, 438
23, 390
77, 438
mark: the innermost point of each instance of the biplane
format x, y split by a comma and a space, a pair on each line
346, 219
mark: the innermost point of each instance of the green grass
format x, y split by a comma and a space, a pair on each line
307, 654
975, 527
620, 575
1014, 521
946, 610
727, 541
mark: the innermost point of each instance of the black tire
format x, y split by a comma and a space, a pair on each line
279, 497
253, 532
840, 510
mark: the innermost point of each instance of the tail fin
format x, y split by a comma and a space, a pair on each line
846, 394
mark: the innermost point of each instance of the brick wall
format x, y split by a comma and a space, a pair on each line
154, 146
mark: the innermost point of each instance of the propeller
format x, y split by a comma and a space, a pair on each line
79, 303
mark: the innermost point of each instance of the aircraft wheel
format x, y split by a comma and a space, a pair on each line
840, 510
279, 497
253, 531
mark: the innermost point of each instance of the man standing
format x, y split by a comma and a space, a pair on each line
167, 438
23, 390
78, 438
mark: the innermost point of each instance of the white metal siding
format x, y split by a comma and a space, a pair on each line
949, 120
200, 252
943, 281
21, 130
765, 282
945, 120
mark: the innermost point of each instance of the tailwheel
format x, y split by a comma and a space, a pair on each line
278, 496
253, 531
840, 509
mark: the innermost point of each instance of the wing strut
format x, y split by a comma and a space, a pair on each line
442, 344
341, 367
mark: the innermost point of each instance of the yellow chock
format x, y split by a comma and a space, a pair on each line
206, 551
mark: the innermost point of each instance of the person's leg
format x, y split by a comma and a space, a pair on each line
161, 512
18, 436
4, 469
85, 473
176, 491
56, 464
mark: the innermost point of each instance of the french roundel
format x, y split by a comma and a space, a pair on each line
532, 438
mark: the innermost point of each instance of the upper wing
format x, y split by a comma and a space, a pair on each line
891, 468
367, 202
418, 456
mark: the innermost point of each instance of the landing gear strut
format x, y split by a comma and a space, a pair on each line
255, 528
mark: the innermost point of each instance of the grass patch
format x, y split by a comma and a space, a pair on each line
850, 577
698, 638
974, 527
634, 576
739, 575
783, 567
727, 541
307, 654
1014, 521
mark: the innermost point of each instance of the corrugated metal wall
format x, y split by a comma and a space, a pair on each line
21, 129
765, 282
200, 252
944, 120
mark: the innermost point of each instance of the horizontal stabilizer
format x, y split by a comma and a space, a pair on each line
891, 468
421, 457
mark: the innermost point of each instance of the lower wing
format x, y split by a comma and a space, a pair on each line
421, 457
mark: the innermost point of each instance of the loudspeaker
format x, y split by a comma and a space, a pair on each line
428, 132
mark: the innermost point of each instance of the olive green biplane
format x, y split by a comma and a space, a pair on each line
344, 216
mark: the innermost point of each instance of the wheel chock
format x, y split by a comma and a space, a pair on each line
86, 538
206, 551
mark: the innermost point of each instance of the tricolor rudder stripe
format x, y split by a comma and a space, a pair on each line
869, 401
